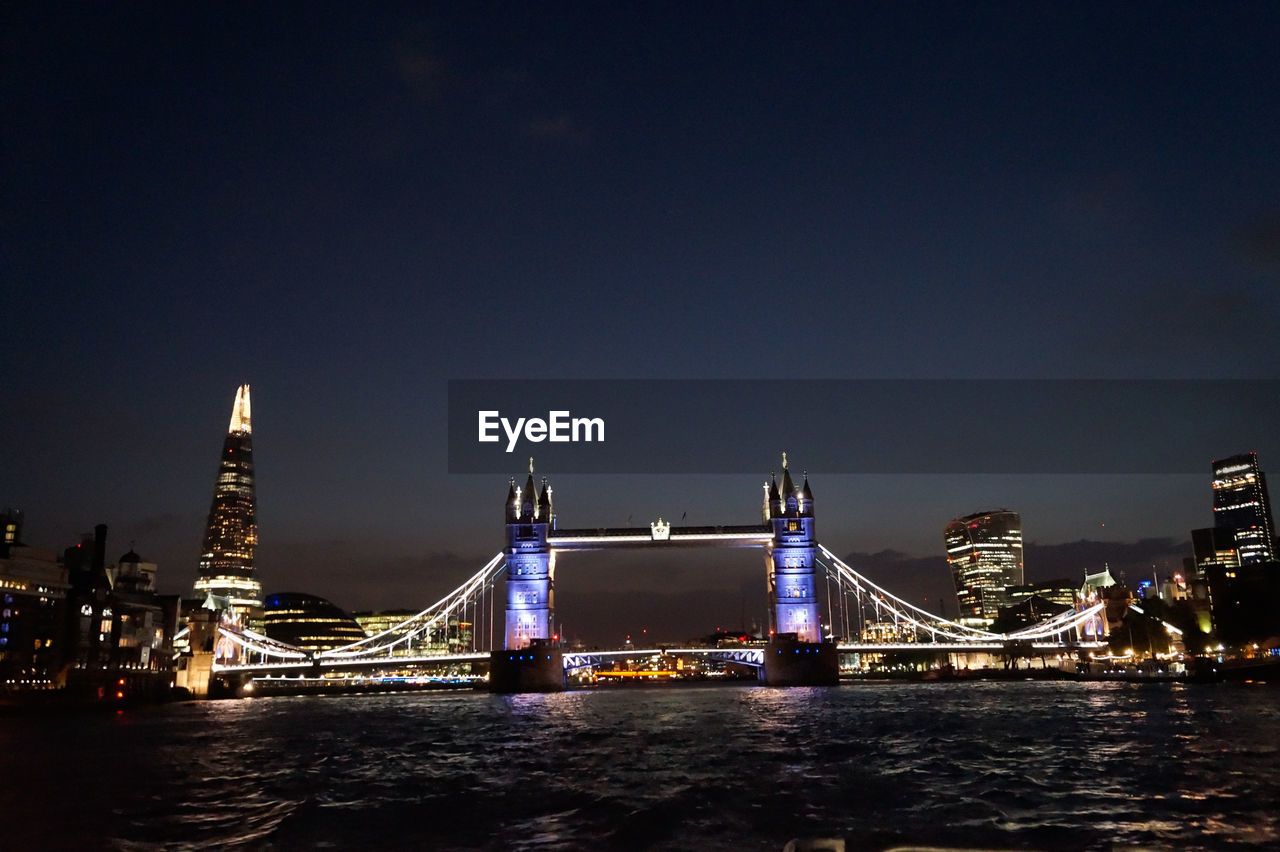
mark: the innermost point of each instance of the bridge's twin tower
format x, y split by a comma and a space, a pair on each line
789, 558
795, 653
530, 564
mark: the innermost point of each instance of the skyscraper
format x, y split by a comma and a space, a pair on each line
1240, 505
984, 551
226, 559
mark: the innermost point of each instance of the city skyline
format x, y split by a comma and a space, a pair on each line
926, 578
365, 205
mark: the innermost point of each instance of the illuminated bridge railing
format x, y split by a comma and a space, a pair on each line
590, 659
410, 643
930, 629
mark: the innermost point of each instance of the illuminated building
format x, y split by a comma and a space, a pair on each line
453, 636
1030, 607
308, 622
10, 529
1060, 592
117, 642
1240, 504
145, 622
226, 559
33, 588
1214, 547
373, 623
984, 551
1237, 556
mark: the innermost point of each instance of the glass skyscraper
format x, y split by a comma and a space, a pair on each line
984, 551
1240, 504
226, 558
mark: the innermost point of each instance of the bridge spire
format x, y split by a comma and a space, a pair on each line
544, 502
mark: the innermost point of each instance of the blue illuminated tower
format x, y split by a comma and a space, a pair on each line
790, 558
531, 660
796, 654
530, 564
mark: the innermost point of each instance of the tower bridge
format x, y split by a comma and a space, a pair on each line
531, 658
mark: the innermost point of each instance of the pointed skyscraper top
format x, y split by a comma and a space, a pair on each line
240, 411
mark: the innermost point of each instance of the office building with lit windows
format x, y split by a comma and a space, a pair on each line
984, 552
33, 590
308, 622
1237, 556
226, 557
1241, 505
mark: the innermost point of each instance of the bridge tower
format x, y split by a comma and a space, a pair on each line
531, 659
796, 654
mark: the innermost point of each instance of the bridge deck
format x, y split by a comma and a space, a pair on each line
747, 535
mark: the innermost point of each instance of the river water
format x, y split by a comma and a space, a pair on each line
1048, 765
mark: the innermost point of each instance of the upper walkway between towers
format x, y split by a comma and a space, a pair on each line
744, 535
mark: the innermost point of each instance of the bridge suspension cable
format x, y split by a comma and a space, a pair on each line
426, 622
901, 610
921, 620
265, 646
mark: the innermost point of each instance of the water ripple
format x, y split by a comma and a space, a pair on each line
1041, 765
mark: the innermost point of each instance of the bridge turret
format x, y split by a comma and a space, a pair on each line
530, 580
789, 496
544, 505
513, 502
775, 497
806, 497
529, 499
790, 561
796, 653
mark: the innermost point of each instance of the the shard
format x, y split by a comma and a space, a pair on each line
226, 558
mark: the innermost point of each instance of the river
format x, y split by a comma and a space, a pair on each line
1047, 765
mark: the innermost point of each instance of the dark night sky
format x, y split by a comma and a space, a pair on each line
347, 207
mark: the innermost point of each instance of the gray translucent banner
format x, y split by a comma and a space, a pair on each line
859, 426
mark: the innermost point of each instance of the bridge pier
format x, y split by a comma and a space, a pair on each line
537, 668
790, 662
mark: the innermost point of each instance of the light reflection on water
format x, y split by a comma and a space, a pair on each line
1043, 765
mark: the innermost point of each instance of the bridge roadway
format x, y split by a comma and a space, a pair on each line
749, 655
